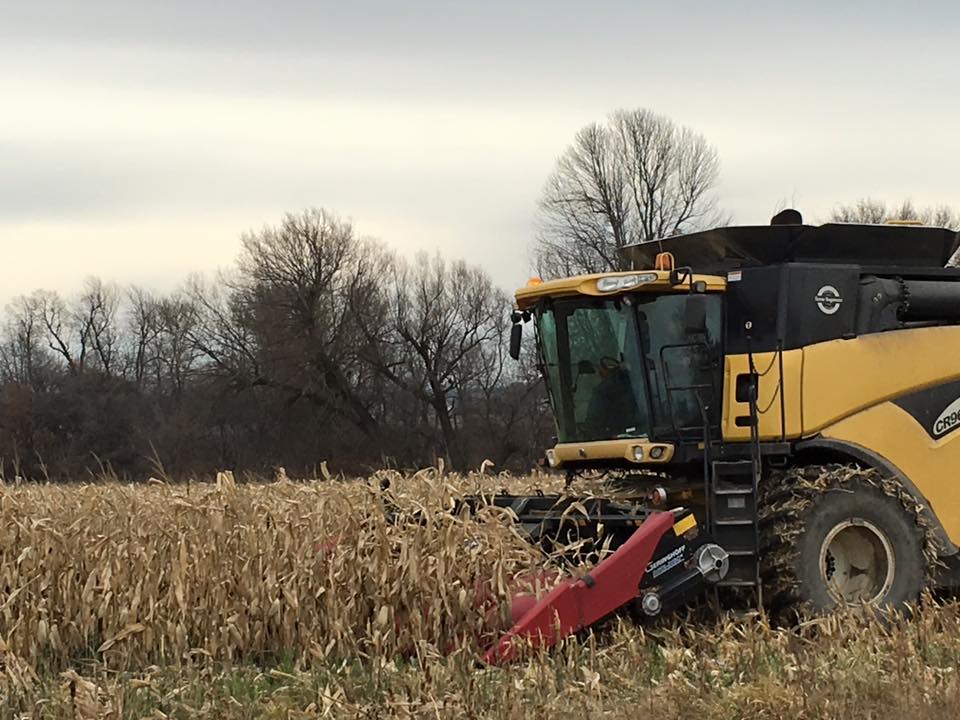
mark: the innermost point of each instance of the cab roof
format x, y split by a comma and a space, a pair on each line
657, 281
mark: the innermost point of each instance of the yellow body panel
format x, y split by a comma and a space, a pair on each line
933, 466
768, 397
826, 382
842, 390
842, 377
528, 296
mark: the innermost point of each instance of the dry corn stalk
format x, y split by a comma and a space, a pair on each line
134, 575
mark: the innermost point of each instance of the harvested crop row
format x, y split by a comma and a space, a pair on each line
134, 575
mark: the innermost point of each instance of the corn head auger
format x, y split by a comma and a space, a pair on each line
651, 561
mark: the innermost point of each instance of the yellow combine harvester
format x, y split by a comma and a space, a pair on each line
795, 389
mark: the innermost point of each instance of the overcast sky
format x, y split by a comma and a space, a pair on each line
138, 140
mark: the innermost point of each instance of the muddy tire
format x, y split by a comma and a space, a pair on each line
835, 535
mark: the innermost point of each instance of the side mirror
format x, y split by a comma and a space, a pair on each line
516, 336
585, 367
696, 315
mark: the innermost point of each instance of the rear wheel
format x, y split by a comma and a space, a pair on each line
836, 535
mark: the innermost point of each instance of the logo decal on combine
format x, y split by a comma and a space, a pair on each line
828, 299
666, 563
949, 419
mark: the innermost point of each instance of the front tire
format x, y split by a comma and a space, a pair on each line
836, 535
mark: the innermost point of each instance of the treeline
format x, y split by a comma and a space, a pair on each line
318, 346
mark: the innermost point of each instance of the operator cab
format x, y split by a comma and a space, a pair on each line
632, 361
630, 366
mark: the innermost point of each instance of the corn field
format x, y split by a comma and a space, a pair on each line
135, 575
338, 598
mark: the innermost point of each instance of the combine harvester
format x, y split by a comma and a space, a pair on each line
792, 392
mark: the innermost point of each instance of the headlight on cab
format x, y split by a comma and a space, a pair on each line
624, 282
552, 458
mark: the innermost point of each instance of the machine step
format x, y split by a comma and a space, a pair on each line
738, 583
744, 490
732, 467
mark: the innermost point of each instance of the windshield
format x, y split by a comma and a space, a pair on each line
629, 366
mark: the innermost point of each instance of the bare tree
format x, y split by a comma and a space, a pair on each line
24, 359
142, 331
864, 210
177, 356
636, 178
286, 320
514, 413
84, 333
441, 338
160, 336
223, 332
95, 315
59, 330
868, 210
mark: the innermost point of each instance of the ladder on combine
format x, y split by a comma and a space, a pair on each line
732, 513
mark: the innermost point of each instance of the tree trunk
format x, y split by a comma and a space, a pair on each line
451, 445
